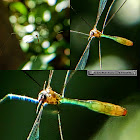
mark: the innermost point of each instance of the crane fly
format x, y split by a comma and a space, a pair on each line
96, 33
48, 96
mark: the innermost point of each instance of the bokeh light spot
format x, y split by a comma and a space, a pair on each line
51, 2
62, 5
45, 44
47, 16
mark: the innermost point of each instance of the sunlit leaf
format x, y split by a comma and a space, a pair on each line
20, 7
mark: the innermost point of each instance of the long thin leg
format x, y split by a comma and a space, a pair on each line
50, 78
40, 102
60, 128
107, 14
65, 83
44, 85
38, 106
79, 33
69, 75
114, 14
18, 97
100, 57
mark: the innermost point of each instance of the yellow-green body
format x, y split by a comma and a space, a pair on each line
118, 39
98, 106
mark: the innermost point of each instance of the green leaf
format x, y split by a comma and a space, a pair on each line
20, 7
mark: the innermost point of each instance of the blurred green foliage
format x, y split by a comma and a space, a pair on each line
47, 25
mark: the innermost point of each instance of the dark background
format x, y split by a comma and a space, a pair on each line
17, 117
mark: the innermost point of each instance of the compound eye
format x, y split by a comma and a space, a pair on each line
45, 97
91, 33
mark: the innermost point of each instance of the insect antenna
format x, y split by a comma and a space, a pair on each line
32, 78
3, 48
81, 17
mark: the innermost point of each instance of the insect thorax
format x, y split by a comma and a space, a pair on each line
95, 33
49, 96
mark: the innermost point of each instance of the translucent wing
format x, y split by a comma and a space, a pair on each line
34, 133
107, 15
102, 5
83, 60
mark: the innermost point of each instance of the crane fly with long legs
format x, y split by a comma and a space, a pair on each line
48, 96
96, 33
